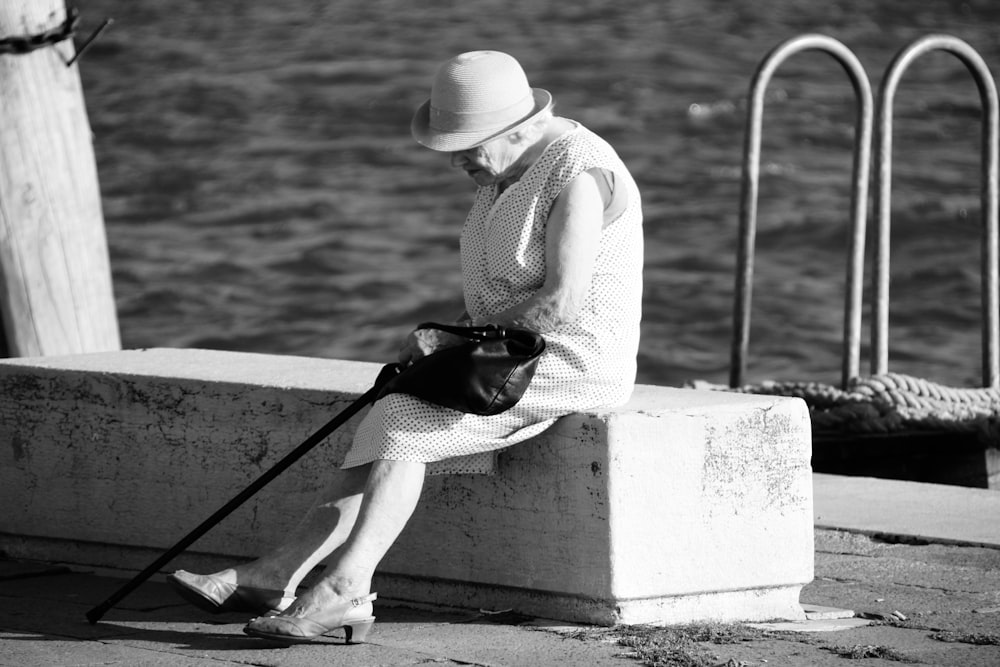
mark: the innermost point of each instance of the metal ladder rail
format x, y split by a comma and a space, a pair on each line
749, 191
883, 183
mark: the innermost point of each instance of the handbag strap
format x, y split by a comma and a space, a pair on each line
483, 332
530, 342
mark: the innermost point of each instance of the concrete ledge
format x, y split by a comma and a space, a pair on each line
682, 505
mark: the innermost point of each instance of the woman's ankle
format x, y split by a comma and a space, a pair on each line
345, 586
259, 575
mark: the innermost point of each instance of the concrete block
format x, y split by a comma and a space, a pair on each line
682, 505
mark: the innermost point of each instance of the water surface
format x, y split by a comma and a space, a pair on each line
262, 193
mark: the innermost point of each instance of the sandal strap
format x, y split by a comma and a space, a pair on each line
357, 602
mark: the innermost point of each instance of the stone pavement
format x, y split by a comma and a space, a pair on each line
916, 565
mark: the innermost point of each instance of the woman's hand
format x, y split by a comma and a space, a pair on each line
422, 342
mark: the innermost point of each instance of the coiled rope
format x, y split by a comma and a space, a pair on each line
889, 403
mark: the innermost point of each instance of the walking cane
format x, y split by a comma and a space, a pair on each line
386, 374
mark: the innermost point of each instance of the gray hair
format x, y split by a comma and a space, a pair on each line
535, 128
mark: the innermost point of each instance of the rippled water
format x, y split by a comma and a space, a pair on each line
262, 193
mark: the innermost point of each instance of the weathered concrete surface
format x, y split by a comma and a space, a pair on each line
134, 449
948, 594
681, 505
920, 511
42, 623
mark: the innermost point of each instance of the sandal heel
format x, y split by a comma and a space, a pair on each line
357, 632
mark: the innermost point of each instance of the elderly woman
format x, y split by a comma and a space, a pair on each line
553, 243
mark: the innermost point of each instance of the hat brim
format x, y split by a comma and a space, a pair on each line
459, 141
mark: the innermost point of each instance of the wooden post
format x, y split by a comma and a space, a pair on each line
55, 275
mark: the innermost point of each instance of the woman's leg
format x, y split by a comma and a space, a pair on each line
389, 498
325, 527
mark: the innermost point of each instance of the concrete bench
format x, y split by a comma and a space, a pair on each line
683, 505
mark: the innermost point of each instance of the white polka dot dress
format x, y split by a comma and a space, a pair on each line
587, 364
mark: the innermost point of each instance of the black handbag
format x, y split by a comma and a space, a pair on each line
485, 375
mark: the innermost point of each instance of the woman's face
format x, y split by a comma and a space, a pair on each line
491, 162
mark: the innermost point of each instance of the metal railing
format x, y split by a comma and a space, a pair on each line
750, 187
988, 196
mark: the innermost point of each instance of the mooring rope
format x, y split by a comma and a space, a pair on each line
887, 403
22, 44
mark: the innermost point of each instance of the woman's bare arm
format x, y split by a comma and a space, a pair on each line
572, 240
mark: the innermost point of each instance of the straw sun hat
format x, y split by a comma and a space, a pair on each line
475, 97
